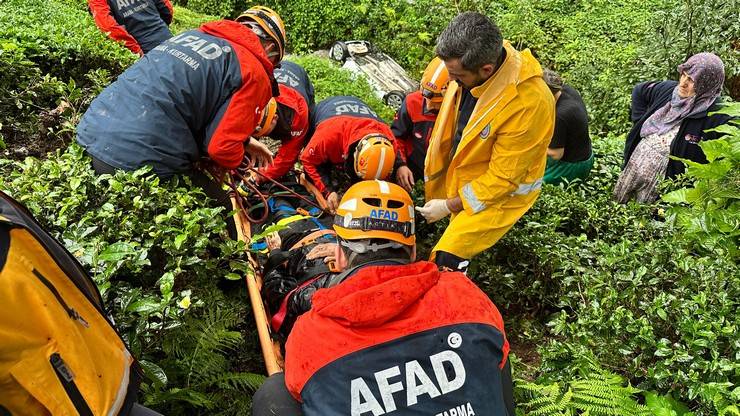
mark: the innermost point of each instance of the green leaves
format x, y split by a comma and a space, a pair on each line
154, 373
665, 405
156, 250
709, 211
116, 252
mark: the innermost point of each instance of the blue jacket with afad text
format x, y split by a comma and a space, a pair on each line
198, 94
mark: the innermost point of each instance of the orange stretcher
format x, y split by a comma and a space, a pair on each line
270, 347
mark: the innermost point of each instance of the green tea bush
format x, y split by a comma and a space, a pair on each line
621, 283
186, 19
60, 38
330, 80
54, 61
222, 8
682, 29
159, 254
24, 89
709, 213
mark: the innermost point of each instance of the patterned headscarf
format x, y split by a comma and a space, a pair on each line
708, 73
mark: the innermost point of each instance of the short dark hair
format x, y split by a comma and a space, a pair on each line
473, 38
553, 80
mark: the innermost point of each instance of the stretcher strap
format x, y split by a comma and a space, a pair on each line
311, 238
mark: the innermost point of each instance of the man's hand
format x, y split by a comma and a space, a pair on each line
325, 251
259, 153
434, 210
405, 178
332, 202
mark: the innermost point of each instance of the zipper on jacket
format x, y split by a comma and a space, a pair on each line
70, 311
66, 377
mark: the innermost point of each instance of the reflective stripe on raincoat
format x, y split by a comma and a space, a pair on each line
498, 166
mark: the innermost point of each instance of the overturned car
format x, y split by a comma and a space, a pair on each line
388, 79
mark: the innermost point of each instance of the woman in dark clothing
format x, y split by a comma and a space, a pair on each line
670, 120
569, 154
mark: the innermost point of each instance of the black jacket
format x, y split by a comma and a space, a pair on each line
649, 97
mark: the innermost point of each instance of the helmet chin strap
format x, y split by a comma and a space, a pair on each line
361, 248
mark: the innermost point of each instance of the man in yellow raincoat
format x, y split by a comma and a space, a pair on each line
488, 149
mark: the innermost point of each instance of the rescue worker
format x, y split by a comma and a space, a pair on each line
349, 138
387, 335
289, 116
198, 94
488, 148
139, 24
414, 120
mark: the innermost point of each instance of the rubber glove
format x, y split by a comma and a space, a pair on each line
434, 210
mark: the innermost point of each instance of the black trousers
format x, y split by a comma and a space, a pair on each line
139, 410
273, 398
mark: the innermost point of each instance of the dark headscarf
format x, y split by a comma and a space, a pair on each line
708, 73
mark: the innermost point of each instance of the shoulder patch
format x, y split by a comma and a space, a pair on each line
485, 132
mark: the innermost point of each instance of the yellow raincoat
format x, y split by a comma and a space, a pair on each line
498, 166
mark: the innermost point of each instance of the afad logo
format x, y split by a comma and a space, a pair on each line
384, 214
485, 132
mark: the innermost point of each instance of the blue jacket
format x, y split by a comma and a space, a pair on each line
140, 24
200, 93
294, 76
343, 105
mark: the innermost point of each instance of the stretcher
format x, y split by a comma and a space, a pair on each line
269, 346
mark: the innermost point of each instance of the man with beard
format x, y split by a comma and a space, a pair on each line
488, 148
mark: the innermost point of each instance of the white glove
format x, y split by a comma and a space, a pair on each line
434, 210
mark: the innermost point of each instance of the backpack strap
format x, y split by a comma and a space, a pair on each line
4, 243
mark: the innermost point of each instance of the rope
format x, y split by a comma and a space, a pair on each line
235, 177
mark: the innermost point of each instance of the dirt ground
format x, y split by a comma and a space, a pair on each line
20, 144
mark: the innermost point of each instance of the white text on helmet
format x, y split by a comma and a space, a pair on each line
384, 214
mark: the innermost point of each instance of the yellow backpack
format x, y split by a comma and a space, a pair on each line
59, 354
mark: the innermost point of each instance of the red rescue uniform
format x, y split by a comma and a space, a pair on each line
293, 137
340, 123
412, 126
405, 338
140, 24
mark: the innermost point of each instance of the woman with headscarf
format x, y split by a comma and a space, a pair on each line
671, 119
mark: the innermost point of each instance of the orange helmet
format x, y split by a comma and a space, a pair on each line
270, 23
269, 115
434, 81
374, 157
376, 209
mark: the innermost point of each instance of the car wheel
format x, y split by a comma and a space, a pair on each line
394, 99
339, 51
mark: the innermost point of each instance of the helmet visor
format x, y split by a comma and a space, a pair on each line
435, 97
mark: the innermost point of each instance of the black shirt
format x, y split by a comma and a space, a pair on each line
467, 105
571, 127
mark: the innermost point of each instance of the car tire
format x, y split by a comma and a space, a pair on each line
394, 99
339, 51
